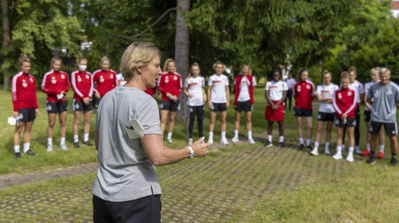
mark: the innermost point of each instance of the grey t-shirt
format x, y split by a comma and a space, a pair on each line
125, 172
385, 99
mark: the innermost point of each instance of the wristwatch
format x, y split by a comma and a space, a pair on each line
191, 152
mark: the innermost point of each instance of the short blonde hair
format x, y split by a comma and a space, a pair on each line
165, 65
217, 63
385, 70
138, 54
56, 58
344, 75
104, 58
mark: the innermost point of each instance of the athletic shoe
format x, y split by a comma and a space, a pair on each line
30, 153
210, 141
190, 142
358, 151
224, 141
281, 145
63, 146
371, 160
327, 151
17, 155
309, 148
250, 140
337, 156
169, 140
380, 155
87, 143
349, 158
393, 162
49, 148
301, 147
268, 144
77, 145
314, 152
235, 139
366, 152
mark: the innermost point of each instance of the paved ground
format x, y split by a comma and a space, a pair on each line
241, 180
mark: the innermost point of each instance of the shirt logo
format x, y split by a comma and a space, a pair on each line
244, 83
31, 80
339, 96
349, 93
217, 82
101, 79
130, 127
87, 76
166, 79
298, 89
308, 86
111, 76
24, 84
53, 80
62, 76
175, 78
79, 79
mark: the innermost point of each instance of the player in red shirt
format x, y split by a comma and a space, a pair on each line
55, 84
25, 105
104, 79
170, 85
304, 94
345, 103
82, 86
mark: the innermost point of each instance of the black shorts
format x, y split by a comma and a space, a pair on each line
80, 106
218, 107
243, 106
170, 105
325, 117
303, 112
55, 107
350, 122
146, 209
96, 101
391, 129
367, 115
26, 114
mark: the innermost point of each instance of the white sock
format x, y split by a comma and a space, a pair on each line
281, 138
223, 135
316, 145
368, 147
211, 135
26, 147
307, 142
327, 145
351, 149
249, 134
300, 140
16, 149
50, 141
75, 138
339, 149
269, 137
382, 148
86, 137
169, 135
62, 140
236, 133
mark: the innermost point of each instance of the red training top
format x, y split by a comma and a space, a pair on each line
82, 85
304, 94
23, 89
238, 89
105, 81
345, 102
151, 91
170, 83
54, 82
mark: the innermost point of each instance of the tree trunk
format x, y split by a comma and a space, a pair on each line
182, 44
6, 39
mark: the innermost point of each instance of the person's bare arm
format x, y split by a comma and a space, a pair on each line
227, 96
325, 100
369, 101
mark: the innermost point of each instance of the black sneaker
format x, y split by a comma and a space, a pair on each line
30, 153
281, 145
17, 155
268, 144
371, 160
301, 147
87, 143
393, 162
77, 145
309, 148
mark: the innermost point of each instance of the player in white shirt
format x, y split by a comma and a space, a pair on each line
120, 79
275, 94
243, 101
196, 98
326, 112
375, 78
219, 100
290, 83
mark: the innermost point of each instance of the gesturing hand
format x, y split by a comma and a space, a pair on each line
200, 149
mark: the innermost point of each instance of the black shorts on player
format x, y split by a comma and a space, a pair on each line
96, 102
244, 106
303, 112
391, 129
325, 117
55, 107
80, 106
367, 115
26, 114
218, 107
350, 122
170, 105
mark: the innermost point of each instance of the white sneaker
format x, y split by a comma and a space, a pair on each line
327, 151
315, 152
210, 141
49, 148
357, 150
337, 156
224, 141
235, 139
63, 146
169, 140
251, 140
190, 142
349, 158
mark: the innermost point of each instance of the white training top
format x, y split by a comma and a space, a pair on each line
244, 91
290, 83
326, 91
358, 87
194, 86
367, 88
218, 83
276, 89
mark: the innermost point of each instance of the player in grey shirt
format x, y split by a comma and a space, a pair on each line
386, 100
129, 143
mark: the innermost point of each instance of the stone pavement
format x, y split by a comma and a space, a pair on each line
212, 190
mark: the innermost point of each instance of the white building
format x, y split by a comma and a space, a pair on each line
395, 8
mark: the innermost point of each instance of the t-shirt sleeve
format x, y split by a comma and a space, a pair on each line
361, 88
149, 117
226, 81
267, 86
254, 81
318, 90
397, 95
186, 83
210, 81
285, 86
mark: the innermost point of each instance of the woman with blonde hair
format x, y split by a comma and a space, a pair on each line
104, 80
